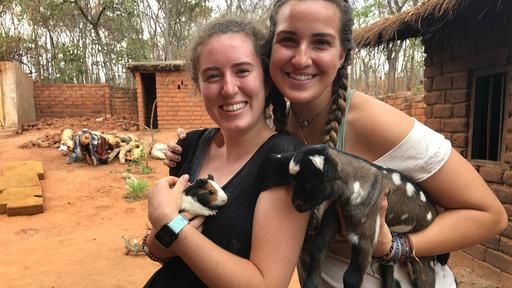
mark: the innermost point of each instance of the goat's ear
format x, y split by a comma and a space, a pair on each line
284, 158
210, 177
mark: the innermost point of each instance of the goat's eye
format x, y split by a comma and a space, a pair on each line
211, 192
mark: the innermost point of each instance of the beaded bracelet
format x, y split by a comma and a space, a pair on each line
145, 248
401, 250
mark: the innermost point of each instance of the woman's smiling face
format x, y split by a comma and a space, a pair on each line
231, 81
306, 50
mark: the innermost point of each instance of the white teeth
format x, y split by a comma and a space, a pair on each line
301, 77
234, 107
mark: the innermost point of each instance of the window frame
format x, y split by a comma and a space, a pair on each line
507, 70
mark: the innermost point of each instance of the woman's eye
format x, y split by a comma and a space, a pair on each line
212, 76
322, 43
243, 72
287, 41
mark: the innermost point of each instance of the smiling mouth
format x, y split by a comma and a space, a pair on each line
301, 77
234, 107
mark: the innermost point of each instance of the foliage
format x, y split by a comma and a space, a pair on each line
136, 189
91, 41
139, 164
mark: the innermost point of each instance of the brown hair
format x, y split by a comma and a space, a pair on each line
340, 81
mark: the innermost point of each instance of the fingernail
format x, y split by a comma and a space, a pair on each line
184, 177
178, 158
173, 164
182, 135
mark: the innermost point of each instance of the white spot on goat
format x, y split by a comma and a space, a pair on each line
319, 161
377, 230
422, 197
401, 228
358, 194
396, 178
353, 238
429, 216
405, 216
293, 168
409, 188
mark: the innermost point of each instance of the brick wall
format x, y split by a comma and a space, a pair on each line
178, 105
451, 59
72, 100
123, 102
411, 105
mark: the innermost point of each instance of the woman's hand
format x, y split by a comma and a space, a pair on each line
384, 239
164, 200
174, 150
196, 222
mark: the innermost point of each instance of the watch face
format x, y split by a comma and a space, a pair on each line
165, 236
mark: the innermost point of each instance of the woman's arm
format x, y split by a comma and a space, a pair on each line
278, 231
473, 212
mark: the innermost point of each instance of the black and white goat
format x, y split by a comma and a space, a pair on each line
320, 174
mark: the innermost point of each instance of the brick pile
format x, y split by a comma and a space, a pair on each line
20, 189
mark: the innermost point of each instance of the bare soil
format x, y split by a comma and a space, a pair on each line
77, 241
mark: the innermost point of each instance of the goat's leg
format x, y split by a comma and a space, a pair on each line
329, 226
387, 275
362, 235
422, 273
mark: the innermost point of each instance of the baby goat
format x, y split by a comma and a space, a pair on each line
320, 174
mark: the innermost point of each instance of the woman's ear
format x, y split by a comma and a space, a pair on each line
342, 57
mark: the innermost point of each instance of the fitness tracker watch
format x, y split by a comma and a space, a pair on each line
169, 232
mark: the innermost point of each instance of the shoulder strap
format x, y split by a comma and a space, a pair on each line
200, 153
340, 141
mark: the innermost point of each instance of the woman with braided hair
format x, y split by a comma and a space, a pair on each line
310, 47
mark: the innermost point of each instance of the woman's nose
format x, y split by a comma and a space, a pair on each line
229, 85
301, 57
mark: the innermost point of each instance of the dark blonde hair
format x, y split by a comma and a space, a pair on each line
340, 81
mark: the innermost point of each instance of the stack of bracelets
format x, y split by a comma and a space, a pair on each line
145, 248
401, 250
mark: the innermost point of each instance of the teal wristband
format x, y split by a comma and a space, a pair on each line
178, 223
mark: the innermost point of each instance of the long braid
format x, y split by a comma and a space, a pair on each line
338, 103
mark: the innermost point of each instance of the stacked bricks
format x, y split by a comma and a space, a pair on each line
178, 104
123, 102
451, 59
20, 189
71, 100
411, 105
76, 100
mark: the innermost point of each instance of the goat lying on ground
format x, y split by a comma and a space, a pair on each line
320, 174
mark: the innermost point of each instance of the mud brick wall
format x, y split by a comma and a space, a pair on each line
123, 102
70, 100
178, 104
411, 105
73, 100
451, 59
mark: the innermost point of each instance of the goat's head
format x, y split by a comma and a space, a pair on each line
312, 170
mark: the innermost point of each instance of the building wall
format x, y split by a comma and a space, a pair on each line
451, 60
73, 100
411, 105
178, 104
17, 94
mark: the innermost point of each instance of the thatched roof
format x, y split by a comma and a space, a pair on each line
422, 20
168, 66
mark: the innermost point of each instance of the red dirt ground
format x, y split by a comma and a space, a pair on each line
77, 241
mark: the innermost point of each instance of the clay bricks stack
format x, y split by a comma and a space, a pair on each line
20, 188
